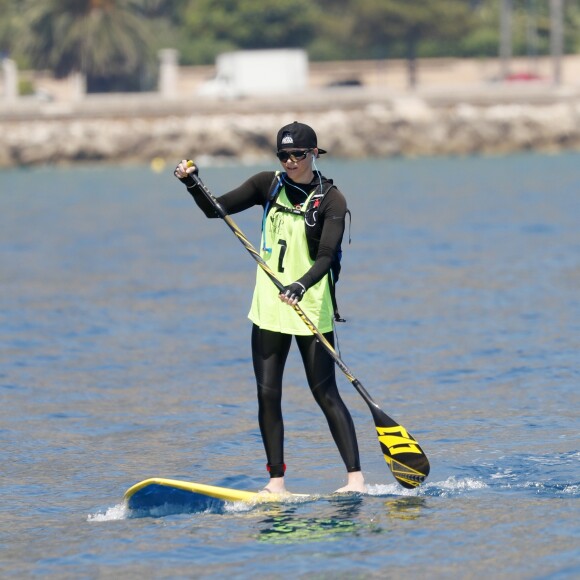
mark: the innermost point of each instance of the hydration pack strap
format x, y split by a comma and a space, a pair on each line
293, 210
272, 194
275, 186
332, 288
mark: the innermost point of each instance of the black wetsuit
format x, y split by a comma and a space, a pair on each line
270, 349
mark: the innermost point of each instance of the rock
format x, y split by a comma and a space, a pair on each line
378, 127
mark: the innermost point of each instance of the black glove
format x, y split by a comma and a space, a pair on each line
295, 291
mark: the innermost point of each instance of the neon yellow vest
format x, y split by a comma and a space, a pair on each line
289, 258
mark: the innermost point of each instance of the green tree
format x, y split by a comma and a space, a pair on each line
332, 39
531, 30
407, 23
107, 40
247, 24
8, 26
572, 27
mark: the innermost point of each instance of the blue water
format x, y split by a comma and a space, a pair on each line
124, 355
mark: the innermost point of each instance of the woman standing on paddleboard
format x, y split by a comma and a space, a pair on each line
302, 229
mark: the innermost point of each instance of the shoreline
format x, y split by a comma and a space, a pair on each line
350, 122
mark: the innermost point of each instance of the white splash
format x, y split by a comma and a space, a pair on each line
572, 489
118, 512
239, 507
449, 485
390, 489
467, 484
244, 506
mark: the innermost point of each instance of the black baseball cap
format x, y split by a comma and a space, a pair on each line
297, 135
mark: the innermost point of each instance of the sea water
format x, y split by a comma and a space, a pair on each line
125, 355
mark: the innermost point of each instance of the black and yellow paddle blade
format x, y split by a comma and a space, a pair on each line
403, 454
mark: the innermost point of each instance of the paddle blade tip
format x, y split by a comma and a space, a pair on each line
410, 472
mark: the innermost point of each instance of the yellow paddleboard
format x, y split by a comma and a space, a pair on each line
157, 493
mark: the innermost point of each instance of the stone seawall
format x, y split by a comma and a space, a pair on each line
350, 124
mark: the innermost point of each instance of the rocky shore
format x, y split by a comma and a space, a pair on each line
351, 123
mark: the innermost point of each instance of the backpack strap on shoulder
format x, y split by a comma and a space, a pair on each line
275, 186
334, 271
273, 192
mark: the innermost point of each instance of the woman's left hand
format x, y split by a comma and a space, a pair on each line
293, 293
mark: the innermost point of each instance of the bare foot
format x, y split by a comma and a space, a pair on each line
355, 483
275, 485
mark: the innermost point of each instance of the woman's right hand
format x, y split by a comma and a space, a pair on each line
184, 170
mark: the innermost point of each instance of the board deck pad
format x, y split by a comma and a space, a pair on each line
159, 496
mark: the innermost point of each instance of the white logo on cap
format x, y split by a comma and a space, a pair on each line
287, 139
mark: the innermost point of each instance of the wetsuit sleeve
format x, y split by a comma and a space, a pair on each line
253, 191
333, 210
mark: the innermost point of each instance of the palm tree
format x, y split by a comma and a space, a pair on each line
105, 40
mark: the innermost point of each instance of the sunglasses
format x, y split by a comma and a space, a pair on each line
293, 155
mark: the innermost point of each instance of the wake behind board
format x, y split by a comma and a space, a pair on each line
158, 496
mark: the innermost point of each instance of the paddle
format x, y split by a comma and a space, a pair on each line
403, 455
